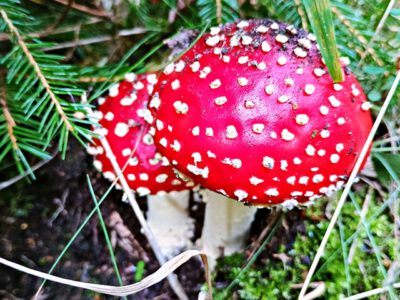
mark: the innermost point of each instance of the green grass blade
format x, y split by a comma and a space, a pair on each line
106, 236
320, 16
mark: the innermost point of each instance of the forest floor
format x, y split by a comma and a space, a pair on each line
38, 219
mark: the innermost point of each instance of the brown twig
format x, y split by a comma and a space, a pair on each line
302, 14
218, 4
59, 21
87, 10
38, 71
7, 115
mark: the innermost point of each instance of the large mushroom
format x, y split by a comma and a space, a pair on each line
250, 112
122, 118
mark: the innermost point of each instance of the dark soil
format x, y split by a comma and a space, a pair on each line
37, 219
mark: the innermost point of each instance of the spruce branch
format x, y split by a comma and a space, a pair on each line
38, 71
7, 115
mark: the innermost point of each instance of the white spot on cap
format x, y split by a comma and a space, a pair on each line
196, 157
142, 191
299, 70
324, 110
290, 204
176, 146
366, 106
242, 24
241, 195
101, 100
309, 89
159, 125
114, 90
284, 165
249, 104
268, 162
283, 99
130, 77
198, 171
231, 132
334, 102
296, 193
109, 116
333, 178
144, 176
161, 178
289, 81
211, 154
220, 100
181, 107
226, 58
131, 177
235, 162
319, 72
243, 81
287, 135
212, 40
243, 59
214, 30
274, 26
126, 152
209, 131
324, 133
310, 150
98, 165
318, 178
355, 92
341, 121
334, 158
258, 127
282, 60
261, 66
262, 29
246, 40
255, 181
265, 46
269, 89
299, 52
196, 131
215, 84
339, 147
291, 180
272, 192
175, 84
297, 161
273, 135
195, 66
109, 175
148, 139
169, 69
302, 119
121, 129
163, 142
281, 38
321, 152
303, 180
337, 87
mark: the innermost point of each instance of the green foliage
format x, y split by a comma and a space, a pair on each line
272, 279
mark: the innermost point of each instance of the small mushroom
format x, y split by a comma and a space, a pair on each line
122, 118
257, 116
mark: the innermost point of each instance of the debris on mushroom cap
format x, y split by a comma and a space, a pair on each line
122, 116
257, 116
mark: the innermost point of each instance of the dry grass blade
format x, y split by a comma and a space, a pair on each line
166, 269
371, 293
320, 16
349, 184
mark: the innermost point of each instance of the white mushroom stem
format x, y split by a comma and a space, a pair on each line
226, 225
168, 217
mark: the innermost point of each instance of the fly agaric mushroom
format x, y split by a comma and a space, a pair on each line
251, 112
122, 117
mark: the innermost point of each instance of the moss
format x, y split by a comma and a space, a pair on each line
271, 278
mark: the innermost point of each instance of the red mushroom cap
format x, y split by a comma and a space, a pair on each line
251, 112
122, 117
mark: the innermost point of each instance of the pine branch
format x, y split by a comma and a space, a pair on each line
6, 112
38, 71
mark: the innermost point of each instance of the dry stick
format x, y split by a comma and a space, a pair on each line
38, 71
370, 293
302, 14
121, 291
87, 10
172, 279
218, 7
377, 31
97, 39
348, 185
